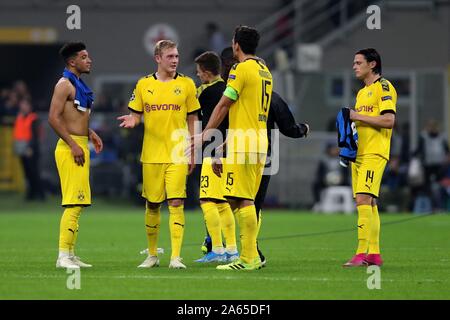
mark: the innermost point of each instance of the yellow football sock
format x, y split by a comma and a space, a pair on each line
212, 220
228, 225
152, 223
259, 222
364, 213
374, 237
247, 229
75, 237
68, 228
176, 226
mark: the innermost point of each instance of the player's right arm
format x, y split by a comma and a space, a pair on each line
386, 120
60, 96
387, 99
285, 119
130, 120
136, 110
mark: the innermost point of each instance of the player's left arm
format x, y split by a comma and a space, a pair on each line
285, 119
235, 84
96, 140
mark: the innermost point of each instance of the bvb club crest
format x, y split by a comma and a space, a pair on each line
80, 195
177, 90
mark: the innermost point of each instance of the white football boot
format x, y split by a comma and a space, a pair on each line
175, 263
80, 263
66, 262
150, 262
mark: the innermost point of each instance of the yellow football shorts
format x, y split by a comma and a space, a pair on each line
211, 186
242, 174
163, 181
75, 188
367, 172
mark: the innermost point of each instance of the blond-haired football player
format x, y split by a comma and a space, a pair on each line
167, 102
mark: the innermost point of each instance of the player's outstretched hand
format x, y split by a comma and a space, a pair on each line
128, 121
306, 129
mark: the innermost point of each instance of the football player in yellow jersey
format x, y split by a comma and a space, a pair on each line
374, 116
167, 101
216, 210
246, 99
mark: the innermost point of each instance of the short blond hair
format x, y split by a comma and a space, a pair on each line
162, 45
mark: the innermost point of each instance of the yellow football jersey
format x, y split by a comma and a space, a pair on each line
165, 106
374, 100
252, 81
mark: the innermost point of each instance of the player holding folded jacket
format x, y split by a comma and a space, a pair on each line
374, 115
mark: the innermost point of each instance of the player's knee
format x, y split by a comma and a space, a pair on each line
202, 202
233, 204
245, 203
175, 202
152, 205
363, 199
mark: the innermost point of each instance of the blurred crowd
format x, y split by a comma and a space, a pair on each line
10, 100
417, 181
16, 111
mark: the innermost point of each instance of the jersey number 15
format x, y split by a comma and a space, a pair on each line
265, 96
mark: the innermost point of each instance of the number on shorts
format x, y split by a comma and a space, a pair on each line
204, 183
230, 179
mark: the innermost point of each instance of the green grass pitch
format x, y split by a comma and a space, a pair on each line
305, 252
